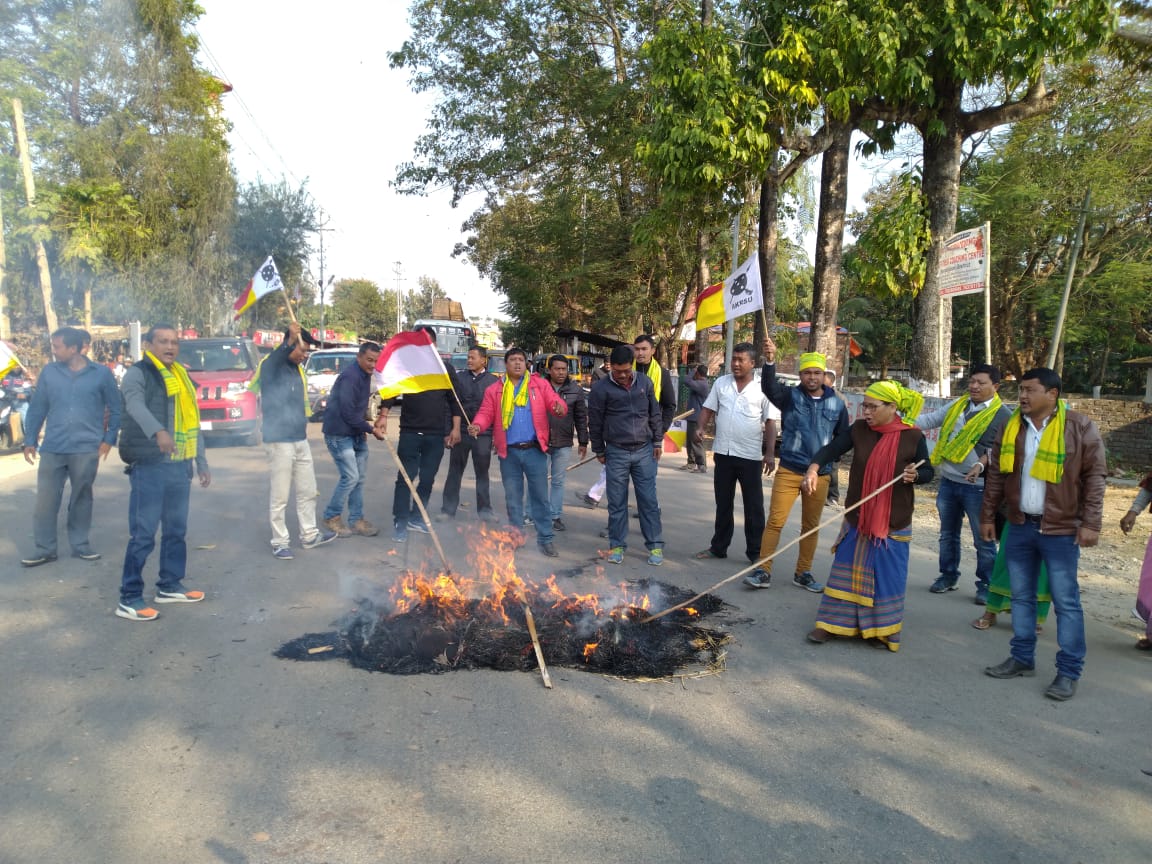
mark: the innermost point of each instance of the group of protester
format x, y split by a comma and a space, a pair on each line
1032, 478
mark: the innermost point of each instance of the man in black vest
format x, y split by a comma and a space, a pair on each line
160, 442
470, 384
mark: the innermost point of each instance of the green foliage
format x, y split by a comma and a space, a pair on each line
359, 305
418, 304
892, 237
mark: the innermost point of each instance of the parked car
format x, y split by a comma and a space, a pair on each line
321, 370
222, 368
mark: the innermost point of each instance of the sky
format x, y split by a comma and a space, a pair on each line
315, 100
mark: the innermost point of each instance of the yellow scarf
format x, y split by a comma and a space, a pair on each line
1049, 462
512, 398
186, 421
255, 384
655, 375
956, 449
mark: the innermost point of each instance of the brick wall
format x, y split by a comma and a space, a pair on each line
1126, 427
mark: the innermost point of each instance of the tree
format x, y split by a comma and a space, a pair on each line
419, 303
359, 305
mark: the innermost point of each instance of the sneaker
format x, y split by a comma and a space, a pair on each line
336, 523
444, 517
758, 578
804, 580
558, 525
179, 594
656, 557
833, 503
942, 585
137, 610
528, 520
616, 555
487, 516
549, 550
587, 500
701, 470
282, 553
688, 467
37, 560
87, 555
364, 528
320, 539
399, 533
418, 526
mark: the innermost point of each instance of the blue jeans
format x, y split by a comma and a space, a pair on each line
79, 470
420, 454
954, 501
350, 452
531, 465
1024, 549
639, 466
158, 498
559, 458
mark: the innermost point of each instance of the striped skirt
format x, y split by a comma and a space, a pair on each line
865, 592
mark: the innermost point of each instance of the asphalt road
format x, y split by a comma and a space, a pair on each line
184, 740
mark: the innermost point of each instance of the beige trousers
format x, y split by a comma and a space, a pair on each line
290, 461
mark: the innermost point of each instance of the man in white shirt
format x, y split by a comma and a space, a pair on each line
745, 419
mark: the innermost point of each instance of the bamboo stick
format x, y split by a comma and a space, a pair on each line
768, 558
592, 458
419, 504
536, 645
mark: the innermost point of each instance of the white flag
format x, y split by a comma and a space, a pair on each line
742, 292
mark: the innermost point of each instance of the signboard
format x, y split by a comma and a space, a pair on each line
963, 263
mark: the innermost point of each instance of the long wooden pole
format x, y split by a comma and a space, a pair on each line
768, 558
419, 504
591, 458
536, 645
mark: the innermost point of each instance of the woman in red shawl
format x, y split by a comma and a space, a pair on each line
1143, 609
865, 592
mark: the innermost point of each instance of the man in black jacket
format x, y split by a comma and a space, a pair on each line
429, 425
160, 442
470, 384
284, 399
346, 431
573, 425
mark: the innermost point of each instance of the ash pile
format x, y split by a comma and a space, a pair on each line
438, 625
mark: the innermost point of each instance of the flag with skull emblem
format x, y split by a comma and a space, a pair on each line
739, 294
265, 281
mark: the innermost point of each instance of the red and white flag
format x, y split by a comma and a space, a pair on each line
410, 363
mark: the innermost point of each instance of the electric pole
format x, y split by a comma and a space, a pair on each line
398, 272
320, 229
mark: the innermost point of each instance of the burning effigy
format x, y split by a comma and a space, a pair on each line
440, 622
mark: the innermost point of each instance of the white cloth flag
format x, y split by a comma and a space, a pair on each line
742, 292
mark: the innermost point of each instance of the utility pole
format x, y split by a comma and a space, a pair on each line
398, 272
30, 193
1058, 331
320, 230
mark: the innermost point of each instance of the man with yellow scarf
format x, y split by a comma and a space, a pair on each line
160, 442
968, 429
1049, 467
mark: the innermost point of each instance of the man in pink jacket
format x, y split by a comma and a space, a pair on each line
516, 410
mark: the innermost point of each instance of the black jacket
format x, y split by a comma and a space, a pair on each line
138, 443
348, 403
430, 412
624, 418
574, 423
470, 388
668, 396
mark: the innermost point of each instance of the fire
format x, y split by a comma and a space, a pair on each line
589, 649
498, 592
692, 612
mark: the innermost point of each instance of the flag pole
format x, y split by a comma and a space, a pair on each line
419, 504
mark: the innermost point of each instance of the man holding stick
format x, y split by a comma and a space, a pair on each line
812, 415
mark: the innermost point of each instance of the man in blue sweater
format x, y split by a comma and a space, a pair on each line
284, 400
81, 404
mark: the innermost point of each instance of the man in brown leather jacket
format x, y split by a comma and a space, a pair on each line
1049, 468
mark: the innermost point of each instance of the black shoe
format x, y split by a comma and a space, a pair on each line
37, 561
88, 555
558, 525
1061, 689
1011, 668
549, 550
588, 501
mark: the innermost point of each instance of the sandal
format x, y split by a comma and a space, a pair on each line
985, 621
819, 636
1144, 644
706, 555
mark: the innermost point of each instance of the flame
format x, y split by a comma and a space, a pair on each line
691, 611
589, 648
498, 593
